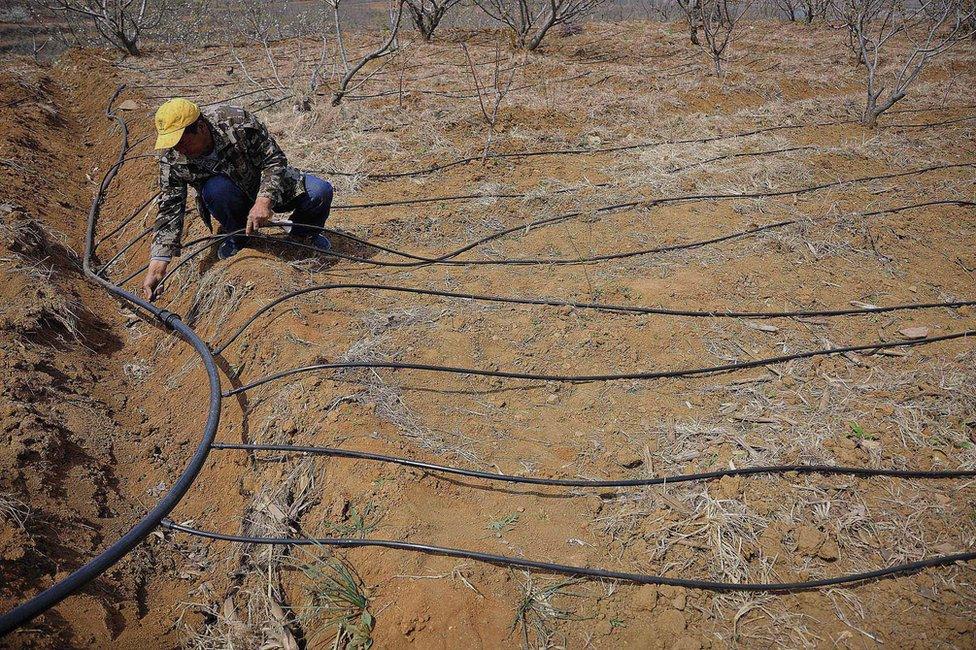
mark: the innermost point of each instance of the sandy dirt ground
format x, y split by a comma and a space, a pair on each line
101, 410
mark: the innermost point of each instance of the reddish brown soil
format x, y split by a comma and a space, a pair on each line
916, 409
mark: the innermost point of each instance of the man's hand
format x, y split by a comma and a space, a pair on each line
154, 275
259, 215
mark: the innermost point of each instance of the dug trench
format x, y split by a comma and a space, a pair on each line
105, 408
88, 440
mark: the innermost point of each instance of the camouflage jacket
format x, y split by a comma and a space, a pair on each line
244, 151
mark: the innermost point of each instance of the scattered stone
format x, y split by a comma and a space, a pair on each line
764, 327
591, 141
914, 332
129, 105
870, 446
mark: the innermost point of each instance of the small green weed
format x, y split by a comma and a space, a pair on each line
337, 602
859, 433
358, 524
505, 523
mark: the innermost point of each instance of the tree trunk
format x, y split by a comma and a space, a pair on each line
131, 46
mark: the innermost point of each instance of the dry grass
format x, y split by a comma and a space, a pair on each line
14, 511
912, 411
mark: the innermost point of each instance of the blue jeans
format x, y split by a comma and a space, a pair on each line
229, 205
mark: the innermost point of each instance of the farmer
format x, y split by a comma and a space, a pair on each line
240, 175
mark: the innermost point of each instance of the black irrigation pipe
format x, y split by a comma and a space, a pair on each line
458, 95
424, 261
535, 565
158, 515
104, 560
447, 258
213, 240
605, 307
522, 195
641, 375
842, 470
125, 222
421, 171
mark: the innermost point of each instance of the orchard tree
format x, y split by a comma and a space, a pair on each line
427, 14
692, 9
929, 28
530, 20
719, 21
120, 23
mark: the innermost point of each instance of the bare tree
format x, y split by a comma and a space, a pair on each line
789, 8
930, 28
388, 48
427, 14
530, 20
490, 97
719, 20
692, 10
263, 23
814, 9
118, 22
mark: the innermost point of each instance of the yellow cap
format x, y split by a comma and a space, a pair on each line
171, 118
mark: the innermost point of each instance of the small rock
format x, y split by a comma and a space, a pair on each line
870, 446
129, 105
591, 141
914, 332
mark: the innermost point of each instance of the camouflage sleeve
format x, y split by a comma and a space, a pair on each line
267, 155
172, 209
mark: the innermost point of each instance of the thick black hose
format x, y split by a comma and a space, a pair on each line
605, 307
604, 483
213, 240
643, 375
95, 567
535, 565
422, 171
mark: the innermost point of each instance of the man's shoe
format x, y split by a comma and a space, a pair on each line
229, 248
317, 241
320, 242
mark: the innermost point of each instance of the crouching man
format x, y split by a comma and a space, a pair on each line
241, 178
